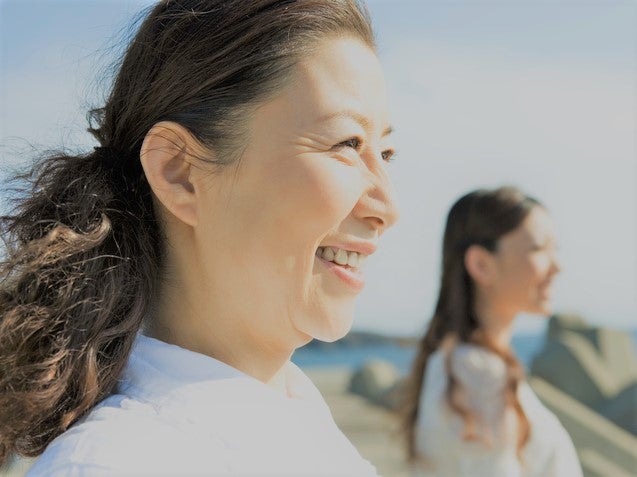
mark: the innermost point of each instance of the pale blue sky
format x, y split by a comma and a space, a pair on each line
541, 94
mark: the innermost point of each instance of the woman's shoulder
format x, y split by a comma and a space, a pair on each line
120, 436
477, 367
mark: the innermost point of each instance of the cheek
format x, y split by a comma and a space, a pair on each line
282, 210
541, 266
520, 275
319, 195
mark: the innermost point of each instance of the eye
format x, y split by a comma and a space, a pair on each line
543, 246
389, 155
353, 143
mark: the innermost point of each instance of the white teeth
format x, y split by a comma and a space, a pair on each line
341, 257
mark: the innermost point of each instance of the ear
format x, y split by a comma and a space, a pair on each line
168, 168
479, 264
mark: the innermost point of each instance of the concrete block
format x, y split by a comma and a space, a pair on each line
574, 365
590, 431
622, 409
592, 364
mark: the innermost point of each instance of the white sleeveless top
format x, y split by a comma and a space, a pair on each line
181, 413
482, 375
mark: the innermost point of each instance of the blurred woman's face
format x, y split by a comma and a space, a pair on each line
526, 264
294, 221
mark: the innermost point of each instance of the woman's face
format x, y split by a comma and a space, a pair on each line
289, 226
525, 265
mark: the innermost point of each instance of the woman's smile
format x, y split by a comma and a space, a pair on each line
345, 264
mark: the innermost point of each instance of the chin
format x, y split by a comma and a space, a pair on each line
332, 326
328, 319
333, 332
544, 309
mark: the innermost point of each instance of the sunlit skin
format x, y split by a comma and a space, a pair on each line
244, 284
517, 277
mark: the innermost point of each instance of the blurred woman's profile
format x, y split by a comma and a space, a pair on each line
469, 411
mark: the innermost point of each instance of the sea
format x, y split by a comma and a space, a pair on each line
526, 346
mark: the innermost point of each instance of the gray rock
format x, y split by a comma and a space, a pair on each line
622, 409
376, 381
573, 365
596, 366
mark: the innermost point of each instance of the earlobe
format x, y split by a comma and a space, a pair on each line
477, 261
167, 165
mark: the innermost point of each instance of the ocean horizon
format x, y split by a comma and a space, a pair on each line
525, 345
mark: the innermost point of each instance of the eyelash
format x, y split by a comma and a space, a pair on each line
544, 247
355, 143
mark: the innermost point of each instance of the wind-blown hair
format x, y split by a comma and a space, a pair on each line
83, 246
478, 218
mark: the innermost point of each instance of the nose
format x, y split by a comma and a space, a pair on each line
377, 206
556, 265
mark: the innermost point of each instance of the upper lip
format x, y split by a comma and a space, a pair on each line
364, 248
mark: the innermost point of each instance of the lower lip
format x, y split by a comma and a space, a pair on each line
350, 276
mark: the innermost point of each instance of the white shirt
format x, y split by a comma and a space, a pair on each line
181, 413
481, 374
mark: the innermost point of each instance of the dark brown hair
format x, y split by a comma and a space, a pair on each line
83, 247
480, 218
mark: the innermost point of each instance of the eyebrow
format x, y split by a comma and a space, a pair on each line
359, 118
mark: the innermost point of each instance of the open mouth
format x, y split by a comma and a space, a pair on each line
344, 264
341, 257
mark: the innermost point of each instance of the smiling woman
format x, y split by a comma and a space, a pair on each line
298, 186
155, 289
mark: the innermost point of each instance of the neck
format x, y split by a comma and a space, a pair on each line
266, 366
199, 316
495, 322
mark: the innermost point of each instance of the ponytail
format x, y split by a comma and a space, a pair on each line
81, 260
453, 320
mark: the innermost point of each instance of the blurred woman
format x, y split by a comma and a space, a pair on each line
154, 289
469, 410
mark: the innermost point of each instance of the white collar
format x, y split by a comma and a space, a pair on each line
157, 370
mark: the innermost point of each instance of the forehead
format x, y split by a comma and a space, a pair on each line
341, 74
537, 227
